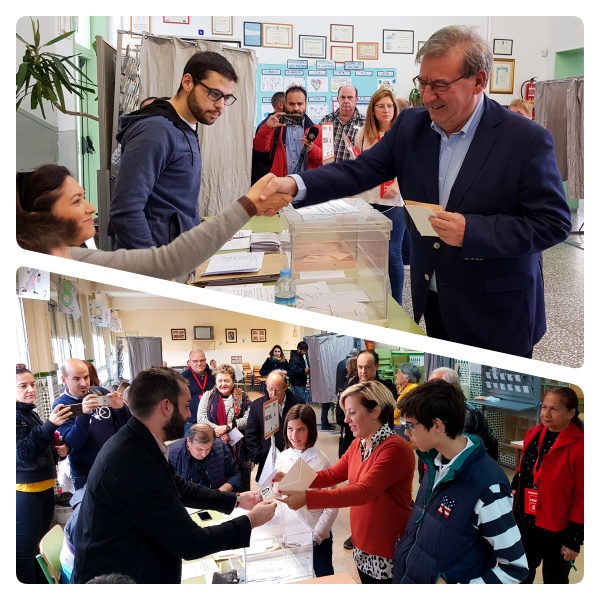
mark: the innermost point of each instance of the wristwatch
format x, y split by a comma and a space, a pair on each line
227, 429
237, 500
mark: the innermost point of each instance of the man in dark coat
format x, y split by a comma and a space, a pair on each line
496, 180
258, 447
133, 518
200, 379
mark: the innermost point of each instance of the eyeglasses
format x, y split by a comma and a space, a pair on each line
216, 95
384, 106
438, 87
408, 426
274, 390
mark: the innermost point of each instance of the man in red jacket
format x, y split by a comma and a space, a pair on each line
290, 145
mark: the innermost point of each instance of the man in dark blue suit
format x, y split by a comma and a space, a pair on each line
495, 175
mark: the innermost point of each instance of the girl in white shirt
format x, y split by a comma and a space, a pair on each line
300, 434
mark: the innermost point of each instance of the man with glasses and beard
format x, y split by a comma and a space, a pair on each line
133, 518
155, 198
289, 144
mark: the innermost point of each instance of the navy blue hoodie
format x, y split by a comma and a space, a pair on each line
155, 198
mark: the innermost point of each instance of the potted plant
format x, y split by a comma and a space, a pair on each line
46, 75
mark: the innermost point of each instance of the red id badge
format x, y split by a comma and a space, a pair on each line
531, 500
383, 188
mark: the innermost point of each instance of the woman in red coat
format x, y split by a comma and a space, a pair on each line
379, 467
548, 488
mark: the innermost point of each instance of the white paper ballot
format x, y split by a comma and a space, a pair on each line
237, 262
235, 435
198, 568
242, 243
298, 478
331, 207
243, 233
420, 214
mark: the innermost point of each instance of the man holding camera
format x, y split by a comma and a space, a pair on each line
95, 419
292, 139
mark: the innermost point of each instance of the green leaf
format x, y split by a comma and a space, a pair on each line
36, 34
58, 39
22, 40
21, 75
59, 90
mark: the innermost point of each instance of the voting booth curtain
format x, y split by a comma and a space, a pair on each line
324, 354
226, 145
144, 352
559, 108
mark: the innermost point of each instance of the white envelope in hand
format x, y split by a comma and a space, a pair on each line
298, 478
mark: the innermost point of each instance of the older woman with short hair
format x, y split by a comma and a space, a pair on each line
224, 408
379, 468
408, 378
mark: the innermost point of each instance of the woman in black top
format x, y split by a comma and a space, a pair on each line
276, 361
36, 475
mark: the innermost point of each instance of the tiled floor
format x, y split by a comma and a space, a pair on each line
342, 559
563, 278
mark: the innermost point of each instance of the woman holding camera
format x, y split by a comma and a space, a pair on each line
36, 475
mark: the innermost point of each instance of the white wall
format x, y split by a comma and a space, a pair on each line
530, 36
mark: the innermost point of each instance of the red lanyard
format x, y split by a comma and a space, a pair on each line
200, 385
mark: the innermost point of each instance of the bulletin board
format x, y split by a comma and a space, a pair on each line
321, 86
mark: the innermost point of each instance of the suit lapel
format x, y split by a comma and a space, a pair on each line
478, 153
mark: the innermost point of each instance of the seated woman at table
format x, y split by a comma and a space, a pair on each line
379, 467
224, 408
205, 459
300, 435
548, 488
49, 196
276, 361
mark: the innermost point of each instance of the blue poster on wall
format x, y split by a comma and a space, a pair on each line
321, 85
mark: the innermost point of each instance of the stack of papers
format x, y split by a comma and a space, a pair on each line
257, 291
236, 262
338, 206
264, 242
317, 297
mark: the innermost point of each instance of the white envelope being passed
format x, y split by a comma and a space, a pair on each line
298, 478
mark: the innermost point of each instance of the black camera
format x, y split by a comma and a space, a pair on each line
291, 119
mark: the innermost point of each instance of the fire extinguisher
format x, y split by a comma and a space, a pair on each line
528, 94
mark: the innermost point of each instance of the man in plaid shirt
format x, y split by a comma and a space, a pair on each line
346, 119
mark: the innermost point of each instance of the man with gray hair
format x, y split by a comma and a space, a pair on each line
475, 421
133, 518
496, 180
346, 122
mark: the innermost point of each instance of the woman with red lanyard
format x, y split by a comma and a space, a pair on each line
548, 488
382, 112
225, 408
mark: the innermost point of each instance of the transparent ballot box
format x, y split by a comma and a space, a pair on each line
279, 552
339, 259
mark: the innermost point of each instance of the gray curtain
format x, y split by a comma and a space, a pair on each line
226, 145
434, 361
144, 352
325, 352
559, 108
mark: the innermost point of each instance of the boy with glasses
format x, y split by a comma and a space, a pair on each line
461, 528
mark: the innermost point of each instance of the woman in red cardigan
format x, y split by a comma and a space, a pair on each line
548, 488
379, 467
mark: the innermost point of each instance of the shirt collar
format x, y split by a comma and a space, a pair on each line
162, 447
473, 121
